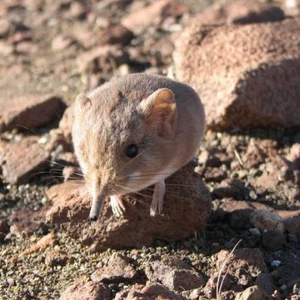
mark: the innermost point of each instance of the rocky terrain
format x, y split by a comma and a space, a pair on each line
230, 228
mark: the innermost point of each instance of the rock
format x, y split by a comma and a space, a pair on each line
118, 270
25, 34
26, 222
174, 274
239, 212
6, 48
185, 211
210, 289
116, 34
26, 47
43, 243
254, 157
266, 220
86, 291
244, 72
29, 111
153, 14
234, 188
287, 273
230, 206
265, 281
77, 9
148, 292
294, 156
291, 220
240, 12
273, 240
101, 58
291, 7
251, 261
253, 293
57, 258
276, 169
61, 42
4, 229
4, 27
66, 122
16, 169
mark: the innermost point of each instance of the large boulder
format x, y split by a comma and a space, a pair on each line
247, 75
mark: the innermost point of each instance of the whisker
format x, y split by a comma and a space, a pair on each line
28, 129
131, 192
148, 174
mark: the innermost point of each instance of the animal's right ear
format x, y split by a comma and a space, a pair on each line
82, 103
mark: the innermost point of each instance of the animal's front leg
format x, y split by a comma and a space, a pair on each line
158, 198
117, 205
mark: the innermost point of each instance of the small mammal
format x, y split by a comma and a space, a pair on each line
133, 132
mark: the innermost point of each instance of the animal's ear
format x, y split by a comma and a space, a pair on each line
82, 103
160, 112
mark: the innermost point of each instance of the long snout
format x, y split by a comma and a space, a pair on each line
97, 204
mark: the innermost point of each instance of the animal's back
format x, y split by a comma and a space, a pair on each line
190, 113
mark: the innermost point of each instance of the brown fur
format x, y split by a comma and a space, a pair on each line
167, 128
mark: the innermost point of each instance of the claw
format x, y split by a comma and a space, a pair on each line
117, 205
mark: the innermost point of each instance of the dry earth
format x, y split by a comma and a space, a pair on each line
239, 238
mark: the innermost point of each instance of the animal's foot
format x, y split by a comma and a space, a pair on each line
117, 206
158, 199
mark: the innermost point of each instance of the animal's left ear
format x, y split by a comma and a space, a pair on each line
160, 112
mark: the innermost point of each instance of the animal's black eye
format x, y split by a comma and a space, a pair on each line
131, 151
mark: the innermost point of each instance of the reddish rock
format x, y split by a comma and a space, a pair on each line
26, 47
77, 9
230, 206
294, 156
253, 157
231, 189
42, 244
29, 111
174, 274
86, 291
57, 258
101, 58
153, 14
253, 293
266, 220
21, 35
66, 122
185, 211
240, 12
61, 42
227, 280
26, 222
148, 292
248, 72
6, 48
291, 220
251, 261
276, 169
273, 240
118, 269
16, 169
4, 27
116, 34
